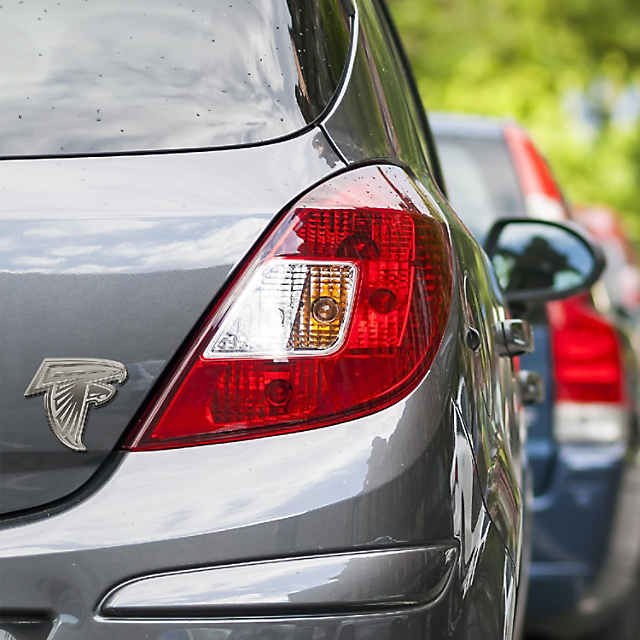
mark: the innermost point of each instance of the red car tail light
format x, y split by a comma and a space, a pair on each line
588, 365
591, 402
337, 314
542, 196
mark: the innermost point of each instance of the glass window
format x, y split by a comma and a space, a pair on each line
97, 77
480, 179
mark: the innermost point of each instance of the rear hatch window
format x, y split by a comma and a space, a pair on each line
481, 180
84, 77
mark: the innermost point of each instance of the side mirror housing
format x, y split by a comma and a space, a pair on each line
540, 260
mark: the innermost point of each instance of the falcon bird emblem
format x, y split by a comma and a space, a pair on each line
70, 387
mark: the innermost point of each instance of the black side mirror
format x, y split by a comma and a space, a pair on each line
540, 260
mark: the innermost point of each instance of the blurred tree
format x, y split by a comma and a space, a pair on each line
569, 71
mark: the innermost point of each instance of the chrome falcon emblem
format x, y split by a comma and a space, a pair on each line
70, 387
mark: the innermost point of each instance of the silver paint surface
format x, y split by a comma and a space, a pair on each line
117, 258
390, 479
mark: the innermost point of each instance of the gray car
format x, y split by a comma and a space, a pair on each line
257, 379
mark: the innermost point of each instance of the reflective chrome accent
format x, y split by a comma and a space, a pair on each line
353, 581
71, 386
514, 338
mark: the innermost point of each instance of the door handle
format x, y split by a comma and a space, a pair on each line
514, 338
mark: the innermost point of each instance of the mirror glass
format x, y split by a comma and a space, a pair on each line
535, 259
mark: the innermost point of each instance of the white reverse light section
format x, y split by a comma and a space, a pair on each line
274, 316
595, 423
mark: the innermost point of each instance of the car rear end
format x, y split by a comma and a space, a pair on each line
231, 360
585, 477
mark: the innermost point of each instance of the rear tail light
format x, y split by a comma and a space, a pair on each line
591, 402
337, 314
542, 196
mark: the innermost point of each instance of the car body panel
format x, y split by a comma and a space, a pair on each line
541, 447
378, 117
91, 248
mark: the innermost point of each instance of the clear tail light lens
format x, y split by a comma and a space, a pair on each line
288, 308
338, 313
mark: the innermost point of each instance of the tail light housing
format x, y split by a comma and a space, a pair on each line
543, 198
337, 313
591, 399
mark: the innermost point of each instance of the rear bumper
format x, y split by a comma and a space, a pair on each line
318, 535
394, 593
445, 615
584, 560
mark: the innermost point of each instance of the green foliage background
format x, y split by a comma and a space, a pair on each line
521, 58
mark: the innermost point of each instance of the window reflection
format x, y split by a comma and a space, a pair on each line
128, 75
535, 256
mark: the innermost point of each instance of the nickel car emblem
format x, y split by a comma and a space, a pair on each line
70, 387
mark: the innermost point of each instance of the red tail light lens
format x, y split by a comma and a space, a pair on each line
337, 314
532, 169
591, 403
587, 358
542, 195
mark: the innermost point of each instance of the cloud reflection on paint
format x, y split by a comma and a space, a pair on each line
126, 246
